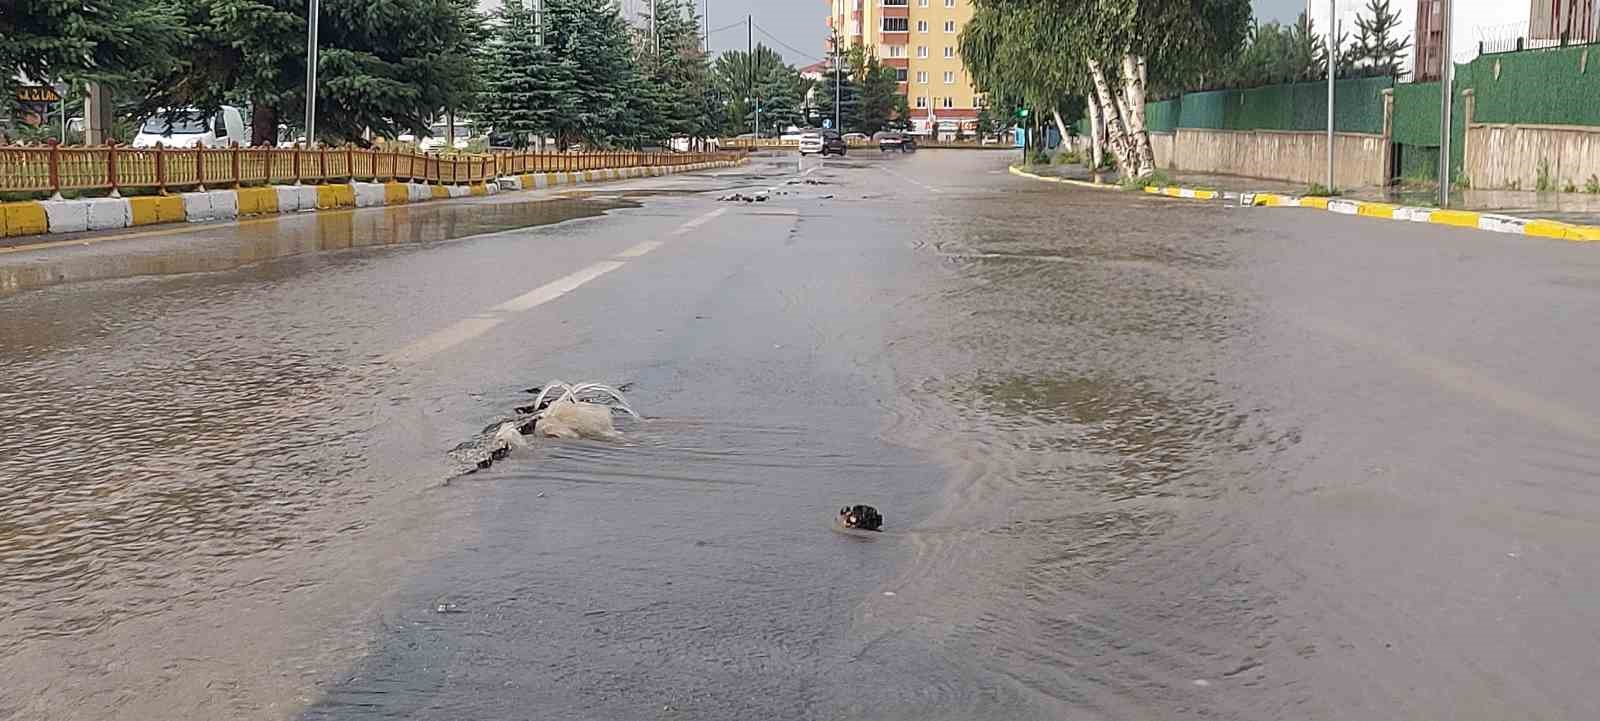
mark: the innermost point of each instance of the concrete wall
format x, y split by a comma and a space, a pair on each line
1296, 156
1162, 144
1505, 156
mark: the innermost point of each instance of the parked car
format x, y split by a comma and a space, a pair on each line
822, 142
811, 143
190, 128
465, 134
856, 138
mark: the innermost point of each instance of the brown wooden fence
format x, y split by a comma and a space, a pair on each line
51, 168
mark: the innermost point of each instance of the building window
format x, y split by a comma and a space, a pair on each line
922, 3
922, 101
900, 74
922, 26
949, 77
949, 26
894, 3
896, 25
855, 27
897, 51
949, 3
922, 77
949, 52
949, 101
922, 51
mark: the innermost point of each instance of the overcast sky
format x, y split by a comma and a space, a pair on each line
800, 23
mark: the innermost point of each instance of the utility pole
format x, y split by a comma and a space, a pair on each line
1446, 80
750, 57
705, 19
1333, 71
311, 76
655, 29
538, 21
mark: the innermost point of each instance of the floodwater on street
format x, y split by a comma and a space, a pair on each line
1138, 459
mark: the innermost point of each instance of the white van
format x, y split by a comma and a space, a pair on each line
190, 128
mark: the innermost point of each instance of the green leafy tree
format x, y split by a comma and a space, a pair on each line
881, 101
678, 72
735, 76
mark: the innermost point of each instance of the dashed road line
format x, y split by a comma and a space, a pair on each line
476, 325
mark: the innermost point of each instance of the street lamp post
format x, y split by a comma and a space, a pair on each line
1333, 64
311, 75
1445, 96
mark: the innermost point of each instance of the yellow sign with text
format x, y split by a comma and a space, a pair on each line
38, 94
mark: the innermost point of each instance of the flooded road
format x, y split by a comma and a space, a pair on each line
1138, 459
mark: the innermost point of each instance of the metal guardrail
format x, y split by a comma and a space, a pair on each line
54, 168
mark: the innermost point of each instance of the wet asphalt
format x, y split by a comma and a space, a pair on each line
1138, 458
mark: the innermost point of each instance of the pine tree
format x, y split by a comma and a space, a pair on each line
1377, 45
120, 42
606, 86
526, 88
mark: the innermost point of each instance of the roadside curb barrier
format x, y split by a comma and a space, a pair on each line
1491, 222
40, 217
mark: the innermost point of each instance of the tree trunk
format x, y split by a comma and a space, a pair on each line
1061, 126
1127, 162
1134, 70
263, 125
1096, 131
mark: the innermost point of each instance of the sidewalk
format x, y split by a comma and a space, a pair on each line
1577, 208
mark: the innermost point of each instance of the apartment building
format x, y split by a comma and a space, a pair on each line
919, 39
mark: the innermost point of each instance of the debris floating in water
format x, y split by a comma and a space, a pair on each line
559, 410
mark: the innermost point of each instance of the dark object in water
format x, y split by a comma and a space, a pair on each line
865, 518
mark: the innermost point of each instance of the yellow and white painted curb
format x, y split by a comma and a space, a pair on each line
38, 217
1177, 192
1492, 222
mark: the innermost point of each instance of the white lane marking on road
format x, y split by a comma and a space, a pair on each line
448, 337
466, 329
557, 288
913, 181
697, 222
640, 249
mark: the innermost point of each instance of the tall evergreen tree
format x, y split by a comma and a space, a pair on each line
606, 82
526, 87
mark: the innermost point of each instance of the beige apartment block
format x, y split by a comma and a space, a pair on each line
920, 39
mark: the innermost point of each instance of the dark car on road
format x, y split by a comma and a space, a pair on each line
823, 142
889, 141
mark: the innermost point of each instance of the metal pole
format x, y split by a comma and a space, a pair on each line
705, 19
538, 21
1333, 65
838, 78
750, 57
655, 29
311, 75
1446, 78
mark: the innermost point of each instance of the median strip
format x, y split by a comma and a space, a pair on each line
39, 217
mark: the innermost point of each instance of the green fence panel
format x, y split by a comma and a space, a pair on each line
1358, 107
1416, 114
1557, 86
1162, 117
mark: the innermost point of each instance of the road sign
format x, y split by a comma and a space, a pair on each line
827, 122
38, 94
1022, 112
